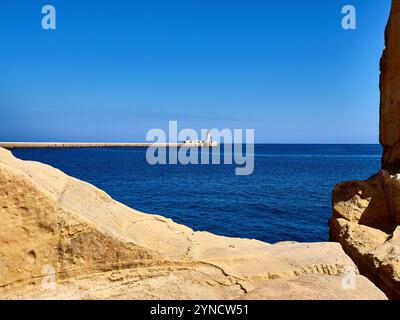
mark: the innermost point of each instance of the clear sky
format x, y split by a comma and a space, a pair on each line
112, 70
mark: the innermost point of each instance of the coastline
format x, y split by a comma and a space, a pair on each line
17, 145
98, 248
215, 231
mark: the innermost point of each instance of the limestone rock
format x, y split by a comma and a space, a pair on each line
362, 202
365, 220
390, 93
376, 253
366, 214
61, 238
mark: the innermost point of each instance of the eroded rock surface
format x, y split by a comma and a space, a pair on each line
390, 93
366, 214
365, 221
63, 238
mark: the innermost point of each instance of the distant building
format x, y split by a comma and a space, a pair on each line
208, 142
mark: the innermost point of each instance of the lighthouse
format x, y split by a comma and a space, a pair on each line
208, 141
208, 138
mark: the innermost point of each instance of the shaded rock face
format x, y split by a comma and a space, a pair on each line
390, 93
366, 214
365, 222
63, 238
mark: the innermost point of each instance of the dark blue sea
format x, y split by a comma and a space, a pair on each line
288, 196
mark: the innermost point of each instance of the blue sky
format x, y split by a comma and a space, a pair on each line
112, 70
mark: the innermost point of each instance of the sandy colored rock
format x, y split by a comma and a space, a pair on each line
61, 238
390, 93
366, 214
376, 253
365, 221
363, 202
303, 287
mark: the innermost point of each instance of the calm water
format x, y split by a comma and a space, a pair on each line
288, 197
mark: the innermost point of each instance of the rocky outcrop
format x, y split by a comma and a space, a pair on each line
390, 93
366, 214
63, 238
365, 221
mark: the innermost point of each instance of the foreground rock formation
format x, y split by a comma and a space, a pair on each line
366, 219
366, 214
63, 238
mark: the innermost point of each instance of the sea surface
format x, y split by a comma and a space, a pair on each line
287, 198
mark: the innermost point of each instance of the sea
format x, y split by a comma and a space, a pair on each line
286, 198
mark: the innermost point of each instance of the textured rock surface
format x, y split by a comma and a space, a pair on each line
390, 93
365, 221
63, 238
366, 214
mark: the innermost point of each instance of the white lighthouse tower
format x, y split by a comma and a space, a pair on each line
208, 137
209, 142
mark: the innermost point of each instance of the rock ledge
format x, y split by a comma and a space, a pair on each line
63, 238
